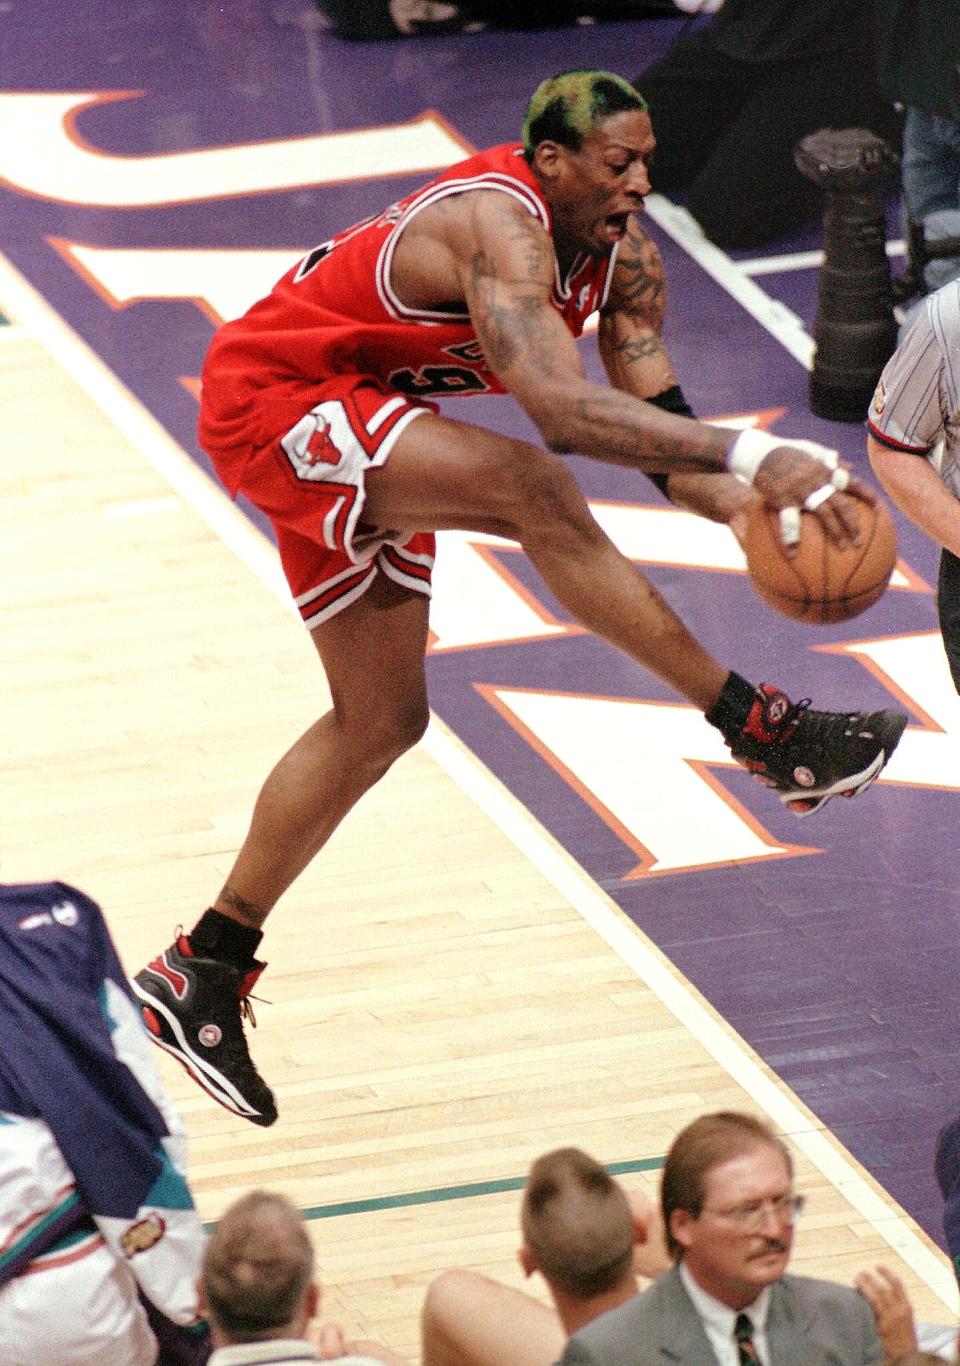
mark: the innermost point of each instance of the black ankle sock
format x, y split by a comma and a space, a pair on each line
730, 711
219, 936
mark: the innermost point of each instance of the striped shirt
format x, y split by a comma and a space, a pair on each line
916, 405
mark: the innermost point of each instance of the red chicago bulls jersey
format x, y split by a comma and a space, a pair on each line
336, 313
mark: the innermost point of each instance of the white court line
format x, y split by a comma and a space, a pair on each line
19, 299
129, 416
798, 260
780, 321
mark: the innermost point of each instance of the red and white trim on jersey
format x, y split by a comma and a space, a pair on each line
432, 194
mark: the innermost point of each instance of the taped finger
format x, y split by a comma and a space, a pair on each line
840, 479
818, 496
790, 526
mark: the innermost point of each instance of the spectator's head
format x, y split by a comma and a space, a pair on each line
728, 1205
567, 108
578, 1228
257, 1277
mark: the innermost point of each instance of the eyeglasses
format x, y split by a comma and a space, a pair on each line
751, 1214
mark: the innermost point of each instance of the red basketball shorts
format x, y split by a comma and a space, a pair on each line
310, 484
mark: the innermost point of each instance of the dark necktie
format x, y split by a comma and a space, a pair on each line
743, 1332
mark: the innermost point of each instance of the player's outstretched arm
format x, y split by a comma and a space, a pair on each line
507, 274
636, 360
506, 265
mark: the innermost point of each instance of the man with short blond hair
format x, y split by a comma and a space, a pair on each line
577, 1225
258, 1272
589, 1240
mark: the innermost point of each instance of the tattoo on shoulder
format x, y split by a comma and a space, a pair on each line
534, 246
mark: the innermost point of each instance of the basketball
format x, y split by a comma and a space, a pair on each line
821, 582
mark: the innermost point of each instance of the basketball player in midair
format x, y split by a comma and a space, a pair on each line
317, 406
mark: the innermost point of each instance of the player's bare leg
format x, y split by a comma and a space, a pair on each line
373, 652
443, 474
373, 655
195, 995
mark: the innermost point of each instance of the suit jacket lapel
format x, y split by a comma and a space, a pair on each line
788, 1324
682, 1335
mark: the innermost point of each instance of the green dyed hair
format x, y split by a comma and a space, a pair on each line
567, 108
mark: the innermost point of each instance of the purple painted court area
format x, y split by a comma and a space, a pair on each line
840, 967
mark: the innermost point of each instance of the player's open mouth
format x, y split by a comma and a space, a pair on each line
616, 225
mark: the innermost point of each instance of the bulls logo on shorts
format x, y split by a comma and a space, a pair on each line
320, 447
315, 446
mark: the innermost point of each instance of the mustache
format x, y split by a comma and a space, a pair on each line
771, 1245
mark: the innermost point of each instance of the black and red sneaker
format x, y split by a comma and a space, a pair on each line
811, 756
194, 1008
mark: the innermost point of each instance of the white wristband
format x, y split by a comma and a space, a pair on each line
749, 451
752, 447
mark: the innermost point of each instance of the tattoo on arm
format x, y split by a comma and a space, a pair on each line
634, 350
612, 417
527, 233
487, 314
631, 323
641, 286
505, 308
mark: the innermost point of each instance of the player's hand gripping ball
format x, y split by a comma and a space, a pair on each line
821, 582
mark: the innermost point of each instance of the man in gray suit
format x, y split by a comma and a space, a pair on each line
728, 1209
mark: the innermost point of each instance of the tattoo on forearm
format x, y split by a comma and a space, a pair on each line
659, 445
636, 349
641, 284
529, 235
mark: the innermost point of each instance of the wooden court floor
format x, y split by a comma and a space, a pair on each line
448, 996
